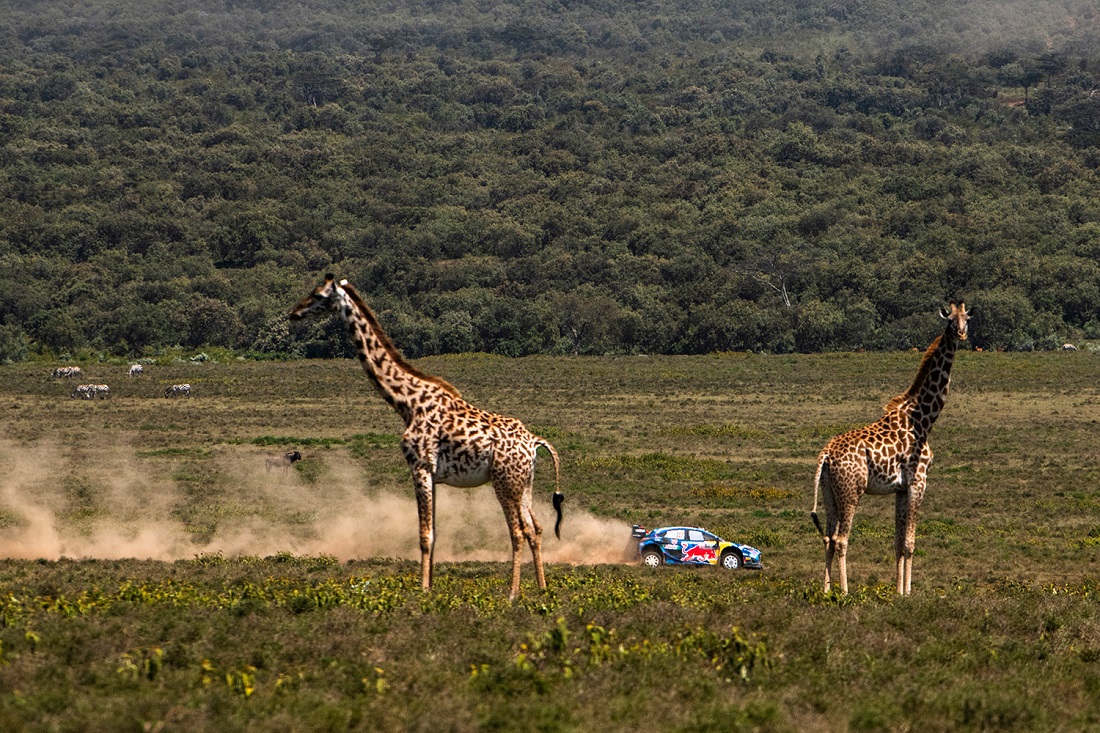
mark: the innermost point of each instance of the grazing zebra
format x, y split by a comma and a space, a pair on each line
178, 390
1069, 347
136, 370
285, 461
84, 391
68, 371
91, 391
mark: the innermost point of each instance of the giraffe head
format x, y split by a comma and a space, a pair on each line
958, 317
325, 297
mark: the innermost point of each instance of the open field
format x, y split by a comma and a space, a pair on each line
289, 600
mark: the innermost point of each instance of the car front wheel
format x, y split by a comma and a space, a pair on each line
731, 561
652, 559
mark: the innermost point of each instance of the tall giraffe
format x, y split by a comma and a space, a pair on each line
447, 440
889, 456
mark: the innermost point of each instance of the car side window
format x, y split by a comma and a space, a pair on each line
675, 534
696, 536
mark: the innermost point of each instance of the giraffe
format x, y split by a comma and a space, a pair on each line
446, 440
890, 456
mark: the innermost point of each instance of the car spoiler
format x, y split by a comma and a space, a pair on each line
637, 530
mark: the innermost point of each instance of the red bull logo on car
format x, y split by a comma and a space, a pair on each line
698, 553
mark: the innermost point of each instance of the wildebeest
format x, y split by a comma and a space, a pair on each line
285, 461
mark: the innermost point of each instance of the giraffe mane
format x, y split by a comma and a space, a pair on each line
922, 374
387, 344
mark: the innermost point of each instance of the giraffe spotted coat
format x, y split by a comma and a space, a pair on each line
889, 456
446, 439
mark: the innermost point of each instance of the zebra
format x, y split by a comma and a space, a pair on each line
178, 390
102, 391
136, 370
84, 391
68, 371
285, 461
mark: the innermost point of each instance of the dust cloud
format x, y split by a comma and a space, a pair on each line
57, 502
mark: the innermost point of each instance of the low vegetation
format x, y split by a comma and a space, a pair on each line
159, 578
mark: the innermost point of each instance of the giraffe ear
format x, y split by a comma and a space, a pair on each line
944, 313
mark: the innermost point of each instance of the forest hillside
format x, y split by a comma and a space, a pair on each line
552, 176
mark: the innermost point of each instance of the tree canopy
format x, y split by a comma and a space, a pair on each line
559, 177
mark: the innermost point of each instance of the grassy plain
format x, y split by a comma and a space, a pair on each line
289, 601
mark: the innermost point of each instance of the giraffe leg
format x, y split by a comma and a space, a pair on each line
836, 547
516, 534
431, 543
513, 515
425, 506
840, 541
828, 536
838, 525
907, 506
830, 547
533, 531
901, 519
842, 562
514, 487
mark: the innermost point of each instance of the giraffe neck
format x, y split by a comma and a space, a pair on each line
401, 385
926, 396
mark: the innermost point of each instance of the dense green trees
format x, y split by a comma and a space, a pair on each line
526, 177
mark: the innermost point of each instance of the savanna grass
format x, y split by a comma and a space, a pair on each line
1003, 618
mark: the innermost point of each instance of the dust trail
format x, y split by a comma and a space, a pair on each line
57, 502
45, 483
349, 524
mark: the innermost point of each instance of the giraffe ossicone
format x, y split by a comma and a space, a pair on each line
889, 456
446, 440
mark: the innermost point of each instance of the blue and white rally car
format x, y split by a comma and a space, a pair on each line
692, 546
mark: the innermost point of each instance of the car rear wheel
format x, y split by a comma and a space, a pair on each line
731, 560
652, 559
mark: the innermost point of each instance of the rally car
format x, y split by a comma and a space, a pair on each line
692, 546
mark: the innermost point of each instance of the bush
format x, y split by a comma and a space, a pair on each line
13, 344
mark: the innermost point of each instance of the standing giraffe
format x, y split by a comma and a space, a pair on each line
447, 440
890, 456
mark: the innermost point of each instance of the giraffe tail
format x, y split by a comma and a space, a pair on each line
817, 486
559, 498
